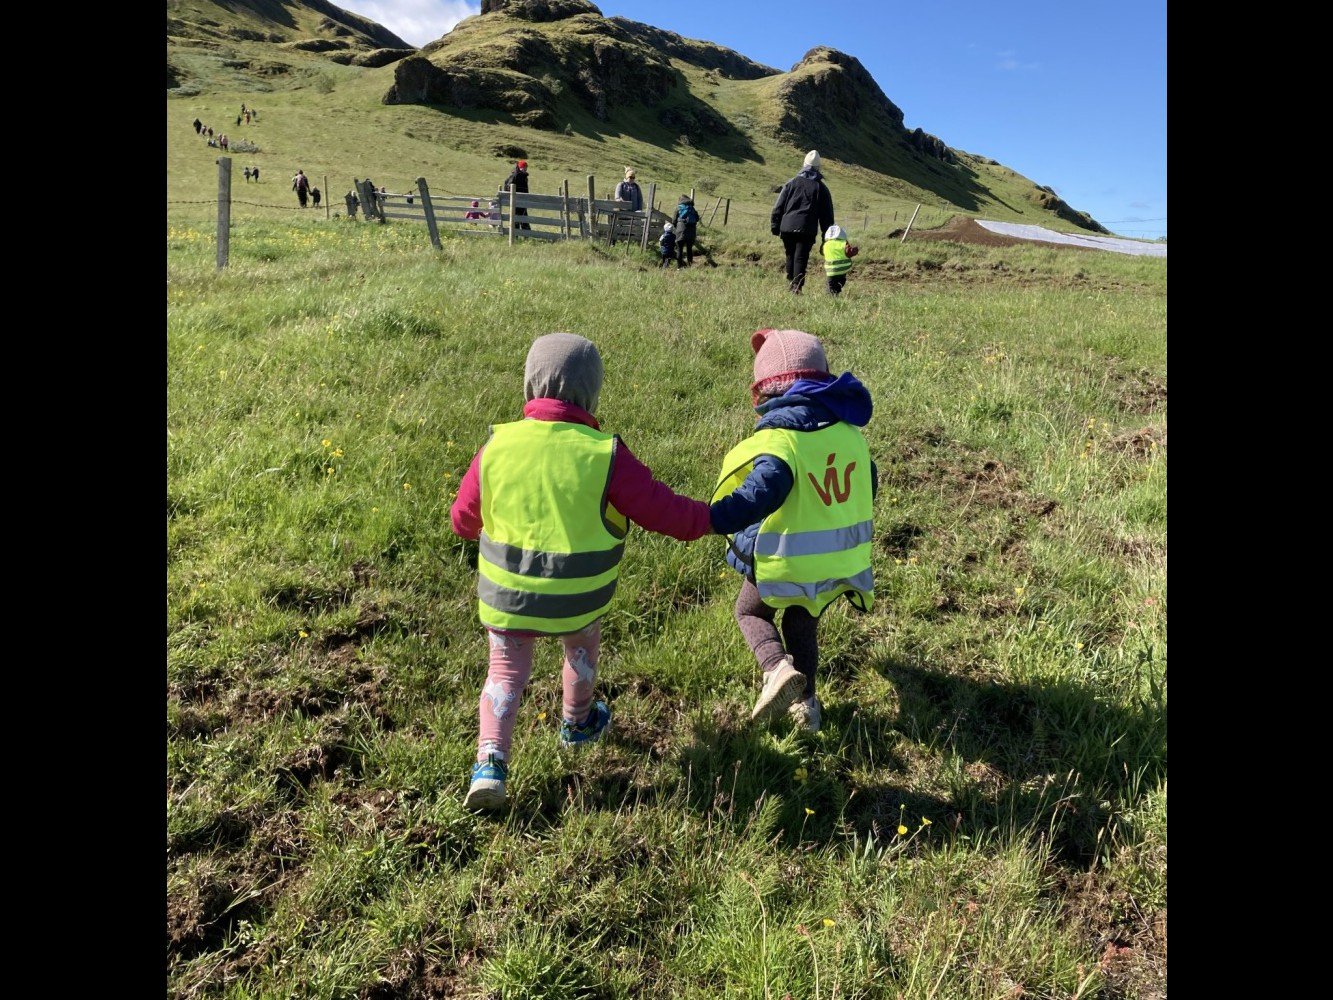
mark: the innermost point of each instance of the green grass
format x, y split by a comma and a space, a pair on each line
327, 391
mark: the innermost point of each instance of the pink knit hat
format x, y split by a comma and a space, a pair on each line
781, 357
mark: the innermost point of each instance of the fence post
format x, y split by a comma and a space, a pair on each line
224, 210
726, 212
715, 208
326, 196
430, 213
564, 205
909, 225
592, 208
511, 215
648, 213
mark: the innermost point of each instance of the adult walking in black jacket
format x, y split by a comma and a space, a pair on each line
517, 181
803, 210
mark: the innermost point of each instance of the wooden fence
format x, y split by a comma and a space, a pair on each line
516, 215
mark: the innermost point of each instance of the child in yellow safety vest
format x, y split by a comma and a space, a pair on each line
795, 500
838, 254
549, 498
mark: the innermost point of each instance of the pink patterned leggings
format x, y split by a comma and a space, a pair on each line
510, 670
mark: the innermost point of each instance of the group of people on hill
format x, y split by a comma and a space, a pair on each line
550, 497
802, 212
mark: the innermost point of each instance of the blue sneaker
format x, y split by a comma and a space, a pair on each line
488, 785
598, 722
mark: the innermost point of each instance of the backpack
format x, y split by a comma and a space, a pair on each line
688, 215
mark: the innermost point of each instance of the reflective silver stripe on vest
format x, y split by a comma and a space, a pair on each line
863, 581
813, 543
531, 562
531, 605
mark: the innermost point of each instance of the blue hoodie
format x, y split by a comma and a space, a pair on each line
809, 405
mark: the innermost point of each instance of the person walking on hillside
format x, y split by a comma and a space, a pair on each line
254, 172
247, 175
517, 181
352, 202
315, 196
666, 245
628, 190
198, 126
550, 498
301, 185
687, 222
838, 254
804, 209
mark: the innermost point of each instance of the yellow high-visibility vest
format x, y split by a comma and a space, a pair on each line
836, 261
551, 542
816, 546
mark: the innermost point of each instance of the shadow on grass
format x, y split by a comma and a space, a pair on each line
976, 757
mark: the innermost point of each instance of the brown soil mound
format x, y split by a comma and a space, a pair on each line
963, 229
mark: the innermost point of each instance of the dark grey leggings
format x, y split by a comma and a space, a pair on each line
799, 628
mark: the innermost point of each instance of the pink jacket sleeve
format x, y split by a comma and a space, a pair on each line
650, 504
465, 514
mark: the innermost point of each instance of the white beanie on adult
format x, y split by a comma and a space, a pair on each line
812, 159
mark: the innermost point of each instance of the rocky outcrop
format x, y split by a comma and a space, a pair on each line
381, 57
924, 142
829, 93
1045, 197
539, 10
417, 80
725, 62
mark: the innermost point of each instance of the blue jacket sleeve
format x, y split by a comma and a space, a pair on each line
764, 491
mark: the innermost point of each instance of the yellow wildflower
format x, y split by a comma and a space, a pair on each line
801, 774
809, 811
830, 923
901, 829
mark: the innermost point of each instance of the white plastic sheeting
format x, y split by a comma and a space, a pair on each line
1025, 232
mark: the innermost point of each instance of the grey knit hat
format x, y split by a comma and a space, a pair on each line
783, 356
563, 366
812, 159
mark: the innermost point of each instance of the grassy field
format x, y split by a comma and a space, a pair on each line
984, 812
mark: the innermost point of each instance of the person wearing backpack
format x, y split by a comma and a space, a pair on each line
301, 185
687, 222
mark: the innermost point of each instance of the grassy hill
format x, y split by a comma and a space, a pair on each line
983, 815
686, 114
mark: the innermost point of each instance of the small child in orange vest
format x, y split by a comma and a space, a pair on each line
550, 498
796, 497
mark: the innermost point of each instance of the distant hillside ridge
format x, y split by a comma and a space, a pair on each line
299, 25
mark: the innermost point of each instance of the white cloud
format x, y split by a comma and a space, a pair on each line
1009, 61
415, 21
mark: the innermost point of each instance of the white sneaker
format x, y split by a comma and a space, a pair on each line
782, 685
807, 714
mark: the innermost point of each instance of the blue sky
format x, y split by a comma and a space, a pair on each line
1069, 94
